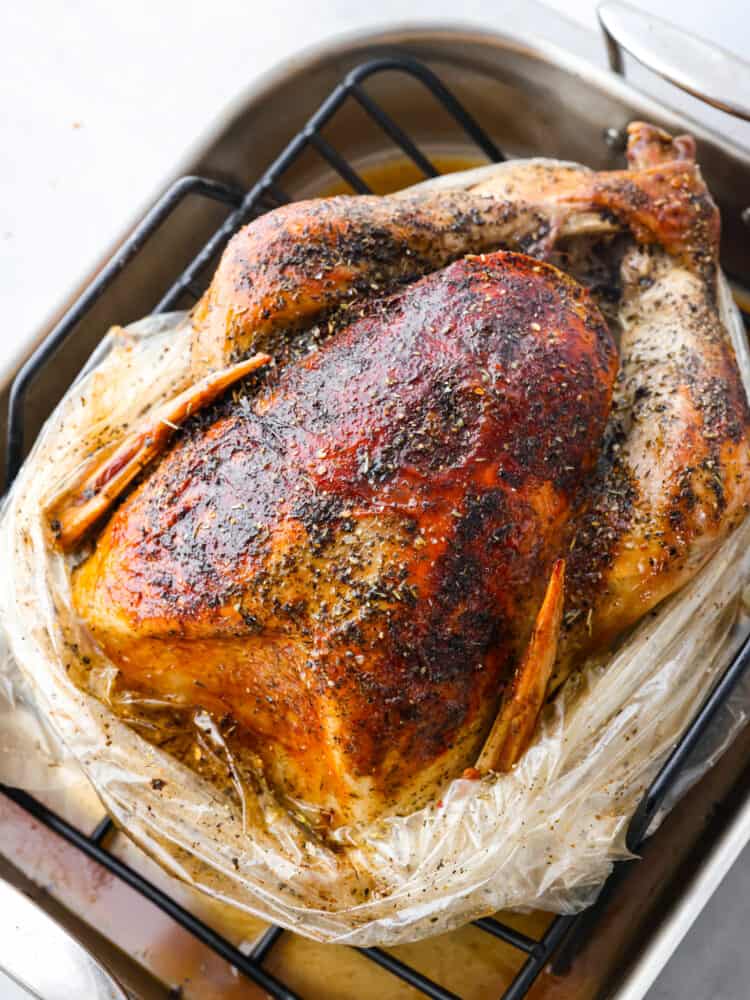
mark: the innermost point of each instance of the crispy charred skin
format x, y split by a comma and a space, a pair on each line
303, 261
673, 478
350, 564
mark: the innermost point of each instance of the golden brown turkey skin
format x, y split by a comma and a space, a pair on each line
300, 262
350, 564
673, 478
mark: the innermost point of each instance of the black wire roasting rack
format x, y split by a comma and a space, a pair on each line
565, 933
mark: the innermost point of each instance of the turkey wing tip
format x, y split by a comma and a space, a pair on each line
517, 718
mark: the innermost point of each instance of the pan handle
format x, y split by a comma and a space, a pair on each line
704, 70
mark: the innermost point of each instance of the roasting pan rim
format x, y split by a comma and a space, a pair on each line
357, 44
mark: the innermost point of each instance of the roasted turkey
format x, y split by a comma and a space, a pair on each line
475, 431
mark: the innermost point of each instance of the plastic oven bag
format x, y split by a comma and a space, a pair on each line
543, 836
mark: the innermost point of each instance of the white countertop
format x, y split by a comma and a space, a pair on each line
98, 101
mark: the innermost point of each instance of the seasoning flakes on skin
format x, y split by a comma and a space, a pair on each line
674, 473
345, 557
332, 559
297, 266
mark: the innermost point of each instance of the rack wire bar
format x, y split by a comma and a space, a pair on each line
409, 975
672, 767
532, 967
310, 135
101, 830
583, 924
155, 895
394, 131
508, 934
651, 803
564, 933
153, 219
265, 942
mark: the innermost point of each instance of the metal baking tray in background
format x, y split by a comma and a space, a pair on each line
533, 98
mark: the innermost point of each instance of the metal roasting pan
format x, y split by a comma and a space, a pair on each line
534, 95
